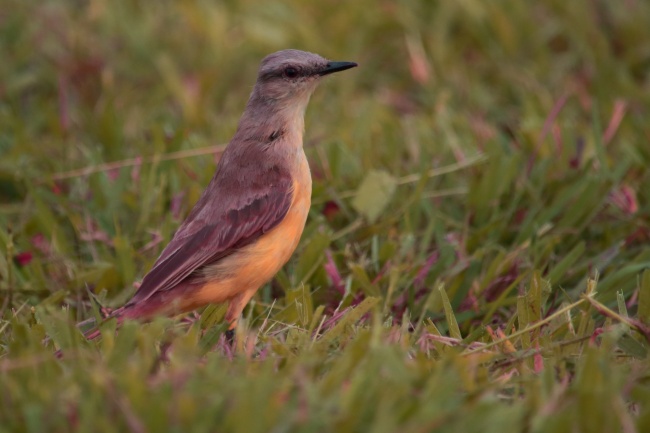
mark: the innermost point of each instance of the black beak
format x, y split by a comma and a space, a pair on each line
336, 67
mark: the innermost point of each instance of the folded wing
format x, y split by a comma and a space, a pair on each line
220, 223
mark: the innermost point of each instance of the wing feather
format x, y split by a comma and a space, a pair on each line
229, 217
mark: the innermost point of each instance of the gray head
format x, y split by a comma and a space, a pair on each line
290, 76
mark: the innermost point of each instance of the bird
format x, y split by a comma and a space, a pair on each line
249, 220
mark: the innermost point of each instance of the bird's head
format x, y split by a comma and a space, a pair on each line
290, 76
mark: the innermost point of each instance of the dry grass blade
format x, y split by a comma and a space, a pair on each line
181, 154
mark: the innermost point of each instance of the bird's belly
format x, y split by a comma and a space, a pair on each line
255, 264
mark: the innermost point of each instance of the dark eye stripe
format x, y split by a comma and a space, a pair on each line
288, 71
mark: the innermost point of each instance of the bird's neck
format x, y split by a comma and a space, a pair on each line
263, 120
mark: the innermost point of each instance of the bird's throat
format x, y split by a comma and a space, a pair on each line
281, 122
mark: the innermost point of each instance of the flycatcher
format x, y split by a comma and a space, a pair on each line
249, 219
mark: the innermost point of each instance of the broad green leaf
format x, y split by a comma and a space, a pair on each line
374, 194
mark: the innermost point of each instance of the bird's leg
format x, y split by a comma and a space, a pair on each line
235, 307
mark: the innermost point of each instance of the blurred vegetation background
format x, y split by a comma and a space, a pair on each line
476, 256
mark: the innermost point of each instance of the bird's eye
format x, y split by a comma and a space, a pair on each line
290, 72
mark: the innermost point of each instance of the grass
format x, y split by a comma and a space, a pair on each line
476, 256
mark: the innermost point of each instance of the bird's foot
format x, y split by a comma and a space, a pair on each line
230, 336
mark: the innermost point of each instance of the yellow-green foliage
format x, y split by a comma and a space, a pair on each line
478, 251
